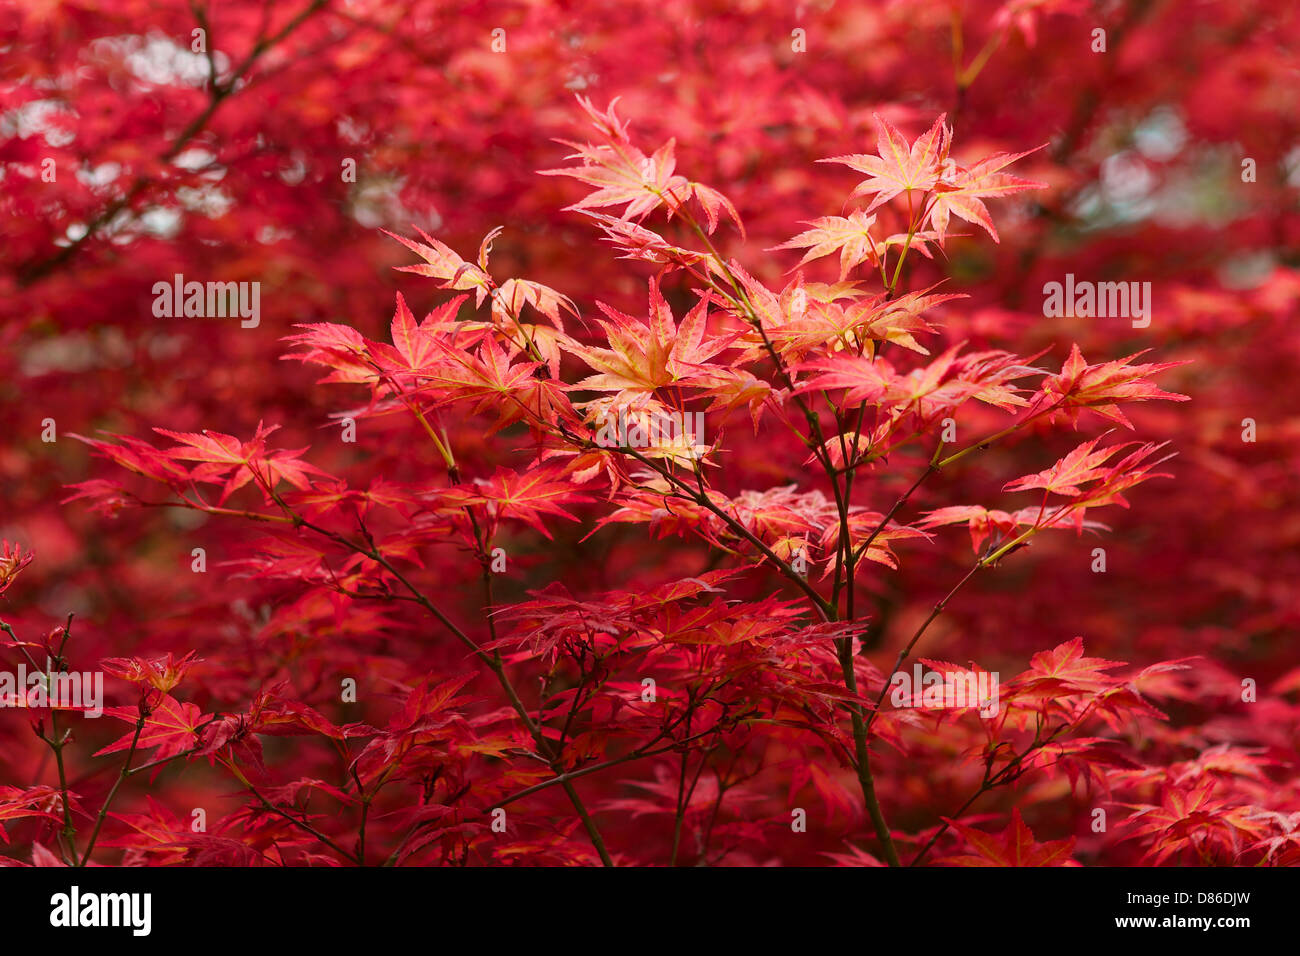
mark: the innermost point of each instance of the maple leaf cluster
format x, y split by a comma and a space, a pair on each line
807, 358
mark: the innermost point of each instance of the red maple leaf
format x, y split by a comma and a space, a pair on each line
170, 728
1014, 846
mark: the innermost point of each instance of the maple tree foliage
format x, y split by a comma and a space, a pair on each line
638, 393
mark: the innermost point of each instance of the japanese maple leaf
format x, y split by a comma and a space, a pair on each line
899, 167
960, 191
645, 356
158, 832
1064, 670
514, 294
983, 522
527, 496
862, 379
994, 371
1224, 760
415, 343
16, 803
802, 316
224, 455
430, 720
783, 511
622, 174
850, 444
923, 389
855, 857
487, 378
1099, 387
838, 800
275, 714
724, 624
1080, 466
637, 242
104, 496
1286, 838
443, 263
844, 328
849, 235
715, 204
138, 456
664, 798
171, 727
651, 505
1190, 818
1129, 472
1092, 759
427, 699
625, 176
162, 674
340, 348
1014, 846
894, 319
639, 182
862, 524
731, 388
12, 562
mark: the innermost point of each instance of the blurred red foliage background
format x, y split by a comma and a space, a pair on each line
134, 149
